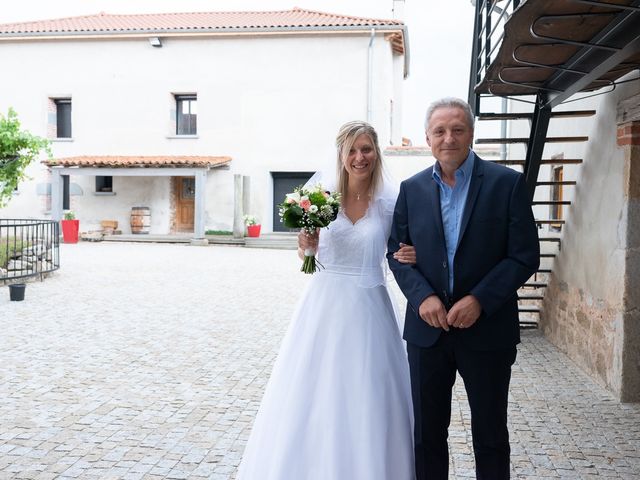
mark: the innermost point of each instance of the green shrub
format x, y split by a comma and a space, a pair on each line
18, 148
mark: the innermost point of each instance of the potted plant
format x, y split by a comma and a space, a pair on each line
18, 148
16, 291
70, 227
253, 227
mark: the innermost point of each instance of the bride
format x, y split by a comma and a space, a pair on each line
338, 402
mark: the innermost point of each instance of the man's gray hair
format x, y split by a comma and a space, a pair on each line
449, 102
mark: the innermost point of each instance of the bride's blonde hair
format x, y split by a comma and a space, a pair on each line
347, 136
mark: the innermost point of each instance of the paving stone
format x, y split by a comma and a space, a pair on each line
148, 361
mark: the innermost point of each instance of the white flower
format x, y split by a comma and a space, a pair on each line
293, 197
313, 209
250, 220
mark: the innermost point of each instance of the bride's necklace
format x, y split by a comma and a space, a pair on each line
358, 195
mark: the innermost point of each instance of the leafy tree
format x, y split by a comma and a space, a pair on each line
18, 148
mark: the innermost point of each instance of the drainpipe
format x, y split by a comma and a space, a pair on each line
370, 74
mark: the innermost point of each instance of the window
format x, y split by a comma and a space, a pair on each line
63, 117
104, 184
186, 114
557, 175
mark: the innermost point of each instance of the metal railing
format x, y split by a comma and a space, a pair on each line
28, 248
488, 33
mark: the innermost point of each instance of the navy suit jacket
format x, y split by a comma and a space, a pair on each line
497, 252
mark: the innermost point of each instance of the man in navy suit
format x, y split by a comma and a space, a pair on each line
476, 243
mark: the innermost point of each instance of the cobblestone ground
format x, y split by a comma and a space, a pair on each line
148, 361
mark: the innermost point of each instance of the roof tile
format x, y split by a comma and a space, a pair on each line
139, 161
104, 23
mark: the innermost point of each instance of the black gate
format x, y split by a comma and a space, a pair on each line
28, 248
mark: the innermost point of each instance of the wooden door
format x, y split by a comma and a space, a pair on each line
185, 188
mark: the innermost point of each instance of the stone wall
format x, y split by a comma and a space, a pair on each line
591, 305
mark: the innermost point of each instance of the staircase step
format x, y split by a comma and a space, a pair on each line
526, 140
551, 202
549, 239
547, 255
535, 284
528, 325
544, 270
525, 115
530, 297
546, 161
564, 182
548, 222
529, 309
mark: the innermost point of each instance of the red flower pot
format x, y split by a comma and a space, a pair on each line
70, 229
253, 230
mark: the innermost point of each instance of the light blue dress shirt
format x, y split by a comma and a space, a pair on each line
452, 202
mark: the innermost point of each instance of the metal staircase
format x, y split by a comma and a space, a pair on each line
532, 292
541, 53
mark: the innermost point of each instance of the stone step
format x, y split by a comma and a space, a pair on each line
276, 240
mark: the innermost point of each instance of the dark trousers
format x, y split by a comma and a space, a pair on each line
486, 376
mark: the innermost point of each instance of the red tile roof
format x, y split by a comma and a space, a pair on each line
140, 161
296, 19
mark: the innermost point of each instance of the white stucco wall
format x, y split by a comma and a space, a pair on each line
272, 103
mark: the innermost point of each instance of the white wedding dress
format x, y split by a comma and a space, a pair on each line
338, 403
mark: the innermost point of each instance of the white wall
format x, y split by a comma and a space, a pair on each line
272, 103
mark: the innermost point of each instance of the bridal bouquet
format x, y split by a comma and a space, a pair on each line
309, 209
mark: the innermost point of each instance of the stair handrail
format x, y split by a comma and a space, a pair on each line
488, 33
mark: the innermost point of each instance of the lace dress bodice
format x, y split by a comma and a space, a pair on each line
355, 248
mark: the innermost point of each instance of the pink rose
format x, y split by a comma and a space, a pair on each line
305, 204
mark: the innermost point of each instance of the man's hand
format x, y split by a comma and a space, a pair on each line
433, 312
464, 312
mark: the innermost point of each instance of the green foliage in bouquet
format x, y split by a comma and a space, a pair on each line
309, 209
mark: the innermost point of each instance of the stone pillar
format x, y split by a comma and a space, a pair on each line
246, 195
199, 208
238, 224
56, 195
628, 138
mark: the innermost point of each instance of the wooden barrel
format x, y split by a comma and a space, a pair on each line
140, 219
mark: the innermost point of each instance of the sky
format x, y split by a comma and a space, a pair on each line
440, 35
